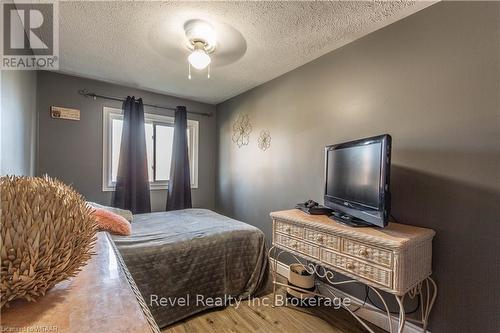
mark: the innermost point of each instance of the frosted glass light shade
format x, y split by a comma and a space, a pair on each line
199, 59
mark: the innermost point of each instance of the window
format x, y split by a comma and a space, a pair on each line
159, 140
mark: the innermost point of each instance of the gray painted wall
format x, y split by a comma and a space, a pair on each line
432, 82
18, 122
72, 150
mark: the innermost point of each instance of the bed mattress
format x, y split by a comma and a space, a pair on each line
186, 261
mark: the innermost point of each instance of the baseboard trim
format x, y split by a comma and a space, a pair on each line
367, 313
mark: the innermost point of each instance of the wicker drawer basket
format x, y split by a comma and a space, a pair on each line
357, 267
328, 240
290, 229
298, 245
367, 252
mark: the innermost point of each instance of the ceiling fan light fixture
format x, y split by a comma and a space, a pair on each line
201, 40
199, 58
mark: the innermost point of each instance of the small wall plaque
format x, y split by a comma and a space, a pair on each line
57, 112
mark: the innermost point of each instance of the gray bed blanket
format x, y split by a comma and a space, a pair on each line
181, 260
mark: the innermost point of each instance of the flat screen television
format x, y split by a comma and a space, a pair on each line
357, 181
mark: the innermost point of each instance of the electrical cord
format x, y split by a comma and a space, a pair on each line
367, 298
360, 306
364, 301
393, 312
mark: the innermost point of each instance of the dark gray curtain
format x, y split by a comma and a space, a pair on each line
132, 182
179, 185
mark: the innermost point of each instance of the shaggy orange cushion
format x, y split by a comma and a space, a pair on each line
112, 222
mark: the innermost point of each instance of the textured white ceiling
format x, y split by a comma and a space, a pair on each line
141, 44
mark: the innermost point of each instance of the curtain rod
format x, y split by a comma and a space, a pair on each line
85, 93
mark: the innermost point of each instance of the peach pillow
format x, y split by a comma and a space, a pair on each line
112, 222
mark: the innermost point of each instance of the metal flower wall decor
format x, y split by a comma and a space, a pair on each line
264, 140
241, 130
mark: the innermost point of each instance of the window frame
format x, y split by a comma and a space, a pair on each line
110, 114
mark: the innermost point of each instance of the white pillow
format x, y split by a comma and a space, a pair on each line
126, 214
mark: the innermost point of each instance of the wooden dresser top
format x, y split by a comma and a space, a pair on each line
98, 299
395, 235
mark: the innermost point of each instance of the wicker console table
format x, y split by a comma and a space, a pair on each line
396, 259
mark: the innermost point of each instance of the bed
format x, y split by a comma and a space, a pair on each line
195, 255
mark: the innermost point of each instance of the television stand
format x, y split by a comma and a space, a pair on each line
349, 220
396, 259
